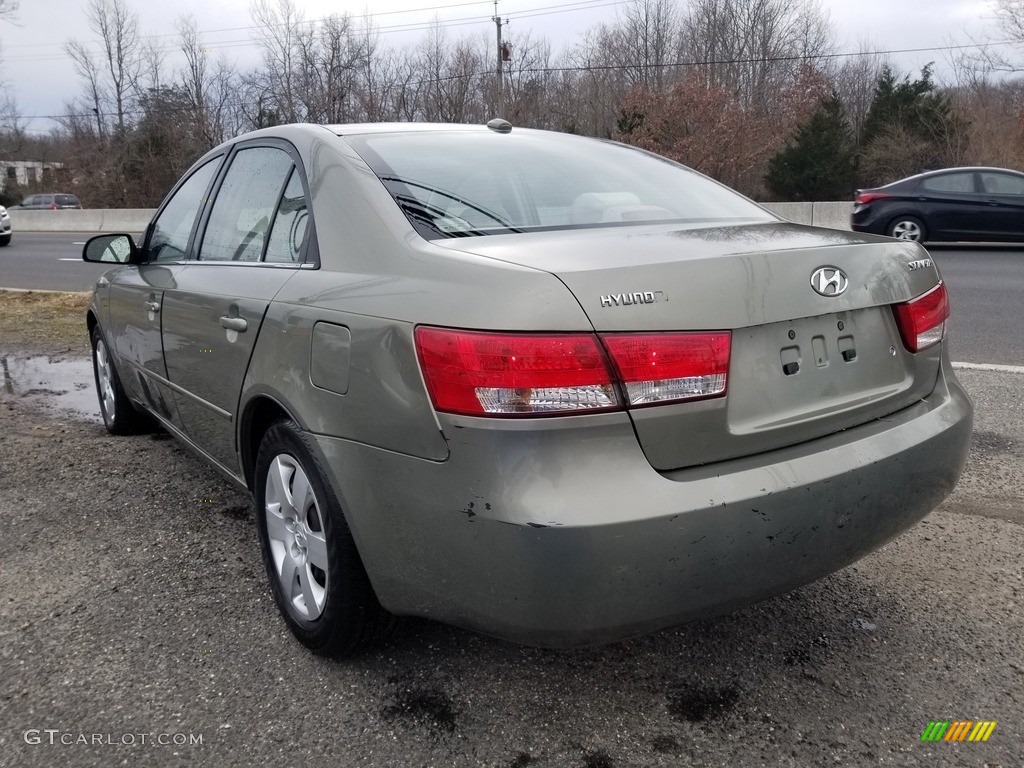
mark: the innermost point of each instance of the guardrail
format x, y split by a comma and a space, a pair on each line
834, 215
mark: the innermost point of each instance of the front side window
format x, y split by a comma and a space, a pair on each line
173, 227
460, 183
245, 205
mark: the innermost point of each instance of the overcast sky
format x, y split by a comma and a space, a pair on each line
42, 76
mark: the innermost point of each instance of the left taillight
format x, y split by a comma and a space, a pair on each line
515, 374
922, 321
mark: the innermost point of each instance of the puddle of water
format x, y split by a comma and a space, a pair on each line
64, 384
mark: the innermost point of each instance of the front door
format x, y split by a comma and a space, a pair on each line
137, 294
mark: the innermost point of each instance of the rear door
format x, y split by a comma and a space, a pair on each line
253, 241
1003, 195
955, 209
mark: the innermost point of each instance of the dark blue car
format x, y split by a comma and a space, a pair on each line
947, 205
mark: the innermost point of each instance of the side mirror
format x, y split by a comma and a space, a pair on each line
110, 249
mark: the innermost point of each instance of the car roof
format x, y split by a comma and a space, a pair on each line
352, 129
958, 169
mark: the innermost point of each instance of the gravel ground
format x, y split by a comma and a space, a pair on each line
133, 611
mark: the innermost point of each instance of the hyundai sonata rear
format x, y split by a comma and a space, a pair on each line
553, 389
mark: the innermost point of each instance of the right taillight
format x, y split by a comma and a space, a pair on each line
534, 374
922, 321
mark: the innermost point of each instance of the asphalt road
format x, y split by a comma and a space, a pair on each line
48, 262
136, 626
985, 290
136, 629
985, 287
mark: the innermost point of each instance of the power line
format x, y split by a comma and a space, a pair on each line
401, 28
600, 68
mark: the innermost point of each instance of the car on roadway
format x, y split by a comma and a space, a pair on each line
954, 204
52, 201
554, 389
6, 232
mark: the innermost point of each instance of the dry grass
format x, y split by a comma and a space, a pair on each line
43, 322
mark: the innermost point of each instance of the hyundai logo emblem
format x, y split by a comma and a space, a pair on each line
829, 281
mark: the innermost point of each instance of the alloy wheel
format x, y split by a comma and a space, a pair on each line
295, 534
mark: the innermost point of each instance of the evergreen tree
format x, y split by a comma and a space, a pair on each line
818, 162
910, 127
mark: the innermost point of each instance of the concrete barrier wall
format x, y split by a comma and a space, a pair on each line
132, 220
831, 215
129, 220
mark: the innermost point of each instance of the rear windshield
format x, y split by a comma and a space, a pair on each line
460, 184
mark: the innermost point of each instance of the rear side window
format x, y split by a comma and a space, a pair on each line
246, 204
288, 233
950, 183
67, 200
173, 227
1002, 184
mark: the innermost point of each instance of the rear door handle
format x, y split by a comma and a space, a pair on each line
152, 306
234, 323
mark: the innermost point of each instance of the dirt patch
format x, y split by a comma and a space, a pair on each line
43, 322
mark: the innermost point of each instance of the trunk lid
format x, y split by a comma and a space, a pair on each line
803, 364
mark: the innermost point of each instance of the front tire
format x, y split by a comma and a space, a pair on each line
316, 575
908, 228
5, 241
120, 416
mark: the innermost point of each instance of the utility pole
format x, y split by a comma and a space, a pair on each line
501, 76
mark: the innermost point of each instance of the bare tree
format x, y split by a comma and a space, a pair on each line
279, 27
111, 80
854, 81
754, 48
88, 70
1010, 15
118, 28
209, 85
529, 80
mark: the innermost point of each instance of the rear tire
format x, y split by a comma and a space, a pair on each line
316, 575
120, 416
908, 228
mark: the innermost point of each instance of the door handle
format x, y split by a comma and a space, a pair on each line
234, 323
152, 306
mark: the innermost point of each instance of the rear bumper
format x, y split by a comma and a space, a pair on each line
560, 536
867, 220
